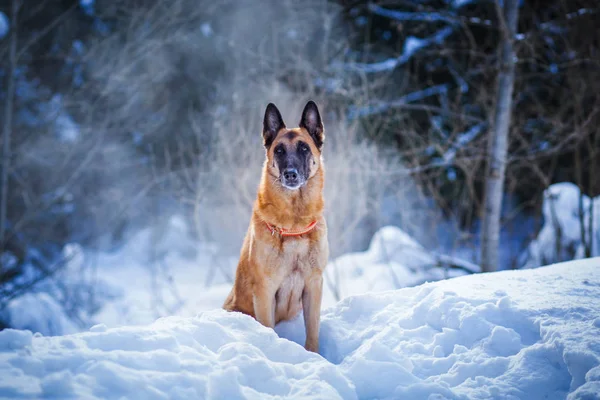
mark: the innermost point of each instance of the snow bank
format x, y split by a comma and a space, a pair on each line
560, 236
394, 260
529, 334
215, 355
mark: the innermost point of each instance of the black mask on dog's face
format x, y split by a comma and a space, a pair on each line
295, 152
293, 159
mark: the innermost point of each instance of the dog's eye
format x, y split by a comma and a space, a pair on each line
279, 150
304, 148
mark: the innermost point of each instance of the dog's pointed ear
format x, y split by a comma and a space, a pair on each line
311, 121
272, 124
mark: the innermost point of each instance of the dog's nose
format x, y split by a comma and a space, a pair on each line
290, 174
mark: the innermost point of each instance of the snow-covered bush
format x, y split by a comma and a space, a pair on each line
63, 300
393, 260
567, 217
38, 312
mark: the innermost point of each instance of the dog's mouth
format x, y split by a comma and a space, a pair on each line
293, 185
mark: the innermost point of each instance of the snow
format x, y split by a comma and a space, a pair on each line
514, 334
206, 29
412, 45
462, 140
163, 271
215, 355
4, 25
560, 236
38, 312
461, 3
87, 6
392, 261
383, 106
413, 16
67, 129
508, 335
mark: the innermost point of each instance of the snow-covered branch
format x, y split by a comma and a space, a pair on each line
412, 45
382, 106
4, 25
412, 16
462, 140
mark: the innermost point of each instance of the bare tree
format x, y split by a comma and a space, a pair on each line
498, 142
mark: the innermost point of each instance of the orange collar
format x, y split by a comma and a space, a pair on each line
286, 232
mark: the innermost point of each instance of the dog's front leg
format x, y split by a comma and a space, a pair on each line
311, 304
264, 306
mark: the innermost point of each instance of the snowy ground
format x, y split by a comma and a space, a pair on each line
530, 334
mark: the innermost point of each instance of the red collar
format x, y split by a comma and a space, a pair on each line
286, 232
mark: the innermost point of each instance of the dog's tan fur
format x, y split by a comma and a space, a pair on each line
278, 276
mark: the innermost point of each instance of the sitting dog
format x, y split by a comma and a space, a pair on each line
284, 253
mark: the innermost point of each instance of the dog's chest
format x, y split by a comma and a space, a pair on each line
294, 265
294, 255
298, 246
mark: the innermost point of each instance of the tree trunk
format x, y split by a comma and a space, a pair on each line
498, 142
7, 127
594, 145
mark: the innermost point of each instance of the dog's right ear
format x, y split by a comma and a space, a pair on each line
272, 124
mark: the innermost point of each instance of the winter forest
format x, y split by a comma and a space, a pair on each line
462, 138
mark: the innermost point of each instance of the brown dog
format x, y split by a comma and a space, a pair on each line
285, 250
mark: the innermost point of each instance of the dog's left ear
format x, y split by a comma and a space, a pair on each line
311, 121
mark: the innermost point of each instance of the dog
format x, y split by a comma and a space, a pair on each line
285, 251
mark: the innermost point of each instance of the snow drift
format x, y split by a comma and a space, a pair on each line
530, 334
